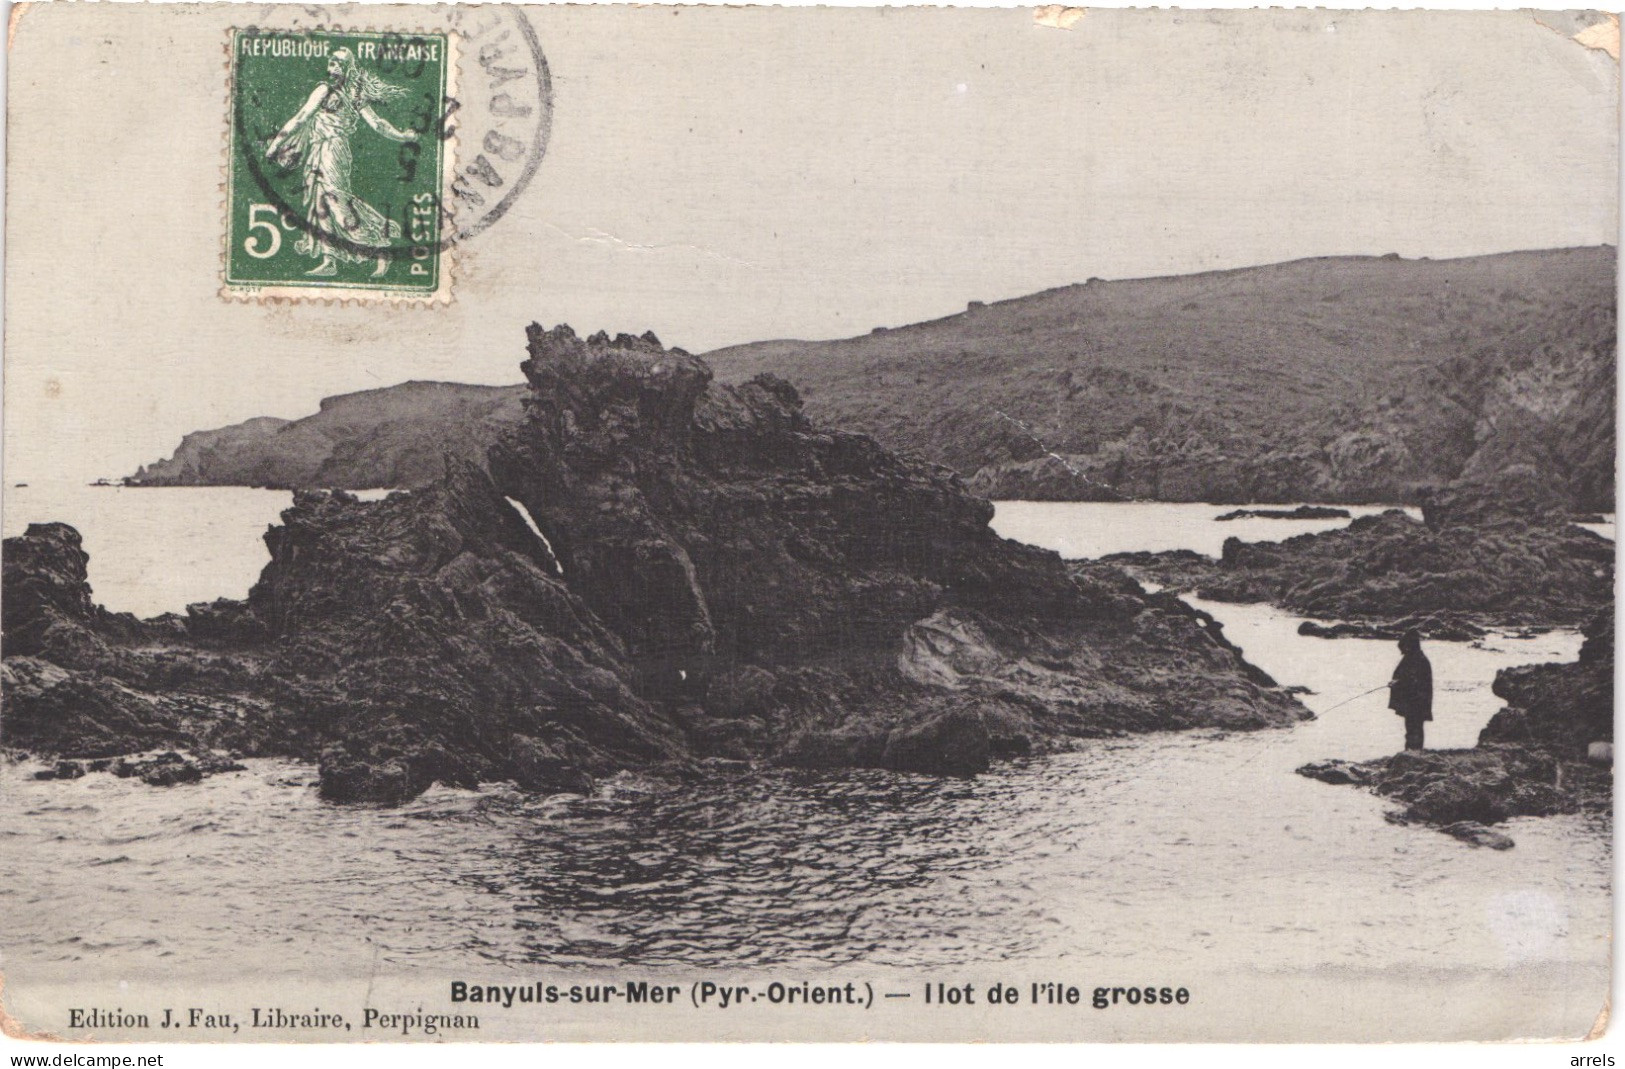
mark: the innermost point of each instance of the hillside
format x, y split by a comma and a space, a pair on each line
392, 437
1345, 379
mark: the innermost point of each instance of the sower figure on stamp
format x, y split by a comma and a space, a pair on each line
1410, 692
342, 225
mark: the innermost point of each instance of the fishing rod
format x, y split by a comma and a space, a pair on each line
1357, 697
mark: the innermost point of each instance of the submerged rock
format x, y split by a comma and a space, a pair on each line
956, 743
1302, 512
1561, 708
1337, 772
62, 770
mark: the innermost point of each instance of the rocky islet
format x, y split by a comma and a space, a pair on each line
658, 573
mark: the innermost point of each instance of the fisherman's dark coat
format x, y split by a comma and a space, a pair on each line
1412, 693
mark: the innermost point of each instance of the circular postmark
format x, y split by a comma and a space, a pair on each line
354, 146
506, 111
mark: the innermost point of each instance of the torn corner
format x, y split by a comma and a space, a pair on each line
1604, 36
1600, 1025
1063, 18
17, 12
9, 1025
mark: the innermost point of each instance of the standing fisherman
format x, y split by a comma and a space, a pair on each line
342, 226
1411, 690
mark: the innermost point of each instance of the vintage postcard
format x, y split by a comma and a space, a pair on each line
733, 523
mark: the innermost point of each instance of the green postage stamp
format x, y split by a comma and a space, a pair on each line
339, 165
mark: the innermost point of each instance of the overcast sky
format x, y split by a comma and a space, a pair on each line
722, 176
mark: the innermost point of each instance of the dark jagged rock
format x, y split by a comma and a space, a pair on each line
847, 746
51, 709
224, 621
760, 567
401, 642
1561, 708
1049, 478
956, 742
1531, 759
1484, 784
537, 767
395, 437
427, 630
1476, 834
48, 611
168, 775
170, 768
1462, 569
710, 576
46, 588
1520, 490
62, 770
1302, 512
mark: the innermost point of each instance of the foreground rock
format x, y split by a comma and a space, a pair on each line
1476, 834
1448, 576
656, 572
1531, 759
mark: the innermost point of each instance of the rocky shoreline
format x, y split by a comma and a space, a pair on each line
1449, 576
654, 573
1505, 556
1550, 750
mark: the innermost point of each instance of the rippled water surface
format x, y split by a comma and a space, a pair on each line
1167, 847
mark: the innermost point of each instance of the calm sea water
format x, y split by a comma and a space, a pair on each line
1080, 529
1168, 847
